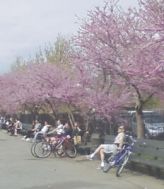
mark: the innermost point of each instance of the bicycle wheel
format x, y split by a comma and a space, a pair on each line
32, 149
122, 165
108, 165
60, 150
70, 150
42, 149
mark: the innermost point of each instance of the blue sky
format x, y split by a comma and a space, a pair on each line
27, 25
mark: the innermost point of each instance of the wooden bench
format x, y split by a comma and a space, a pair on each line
89, 146
150, 155
93, 143
25, 128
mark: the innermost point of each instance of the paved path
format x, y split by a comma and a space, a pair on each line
19, 170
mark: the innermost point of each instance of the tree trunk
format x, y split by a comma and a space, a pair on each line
70, 116
71, 119
140, 125
139, 119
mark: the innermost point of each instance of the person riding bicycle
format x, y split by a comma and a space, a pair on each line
108, 148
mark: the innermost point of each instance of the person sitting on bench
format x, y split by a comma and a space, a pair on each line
108, 148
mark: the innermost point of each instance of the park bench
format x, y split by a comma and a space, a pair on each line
95, 140
150, 155
25, 128
88, 147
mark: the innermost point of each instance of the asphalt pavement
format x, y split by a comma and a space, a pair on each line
20, 170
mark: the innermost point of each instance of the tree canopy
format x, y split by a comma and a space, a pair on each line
115, 61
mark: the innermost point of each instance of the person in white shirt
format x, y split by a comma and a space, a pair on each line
43, 131
17, 127
108, 148
59, 130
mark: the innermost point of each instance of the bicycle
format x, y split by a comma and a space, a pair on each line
40, 138
62, 146
120, 159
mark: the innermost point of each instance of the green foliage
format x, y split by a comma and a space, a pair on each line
19, 64
153, 103
59, 52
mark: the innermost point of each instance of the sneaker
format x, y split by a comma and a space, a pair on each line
27, 139
89, 157
102, 164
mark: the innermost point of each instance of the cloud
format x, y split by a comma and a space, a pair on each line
28, 24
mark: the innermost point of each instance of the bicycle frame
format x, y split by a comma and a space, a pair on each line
120, 159
66, 144
59, 141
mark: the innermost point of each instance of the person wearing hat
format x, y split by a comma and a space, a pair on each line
108, 148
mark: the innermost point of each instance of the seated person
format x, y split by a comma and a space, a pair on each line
36, 126
108, 148
17, 127
57, 132
10, 126
77, 132
67, 129
43, 131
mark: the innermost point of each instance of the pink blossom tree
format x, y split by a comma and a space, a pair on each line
41, 84
118, 63
120, 53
